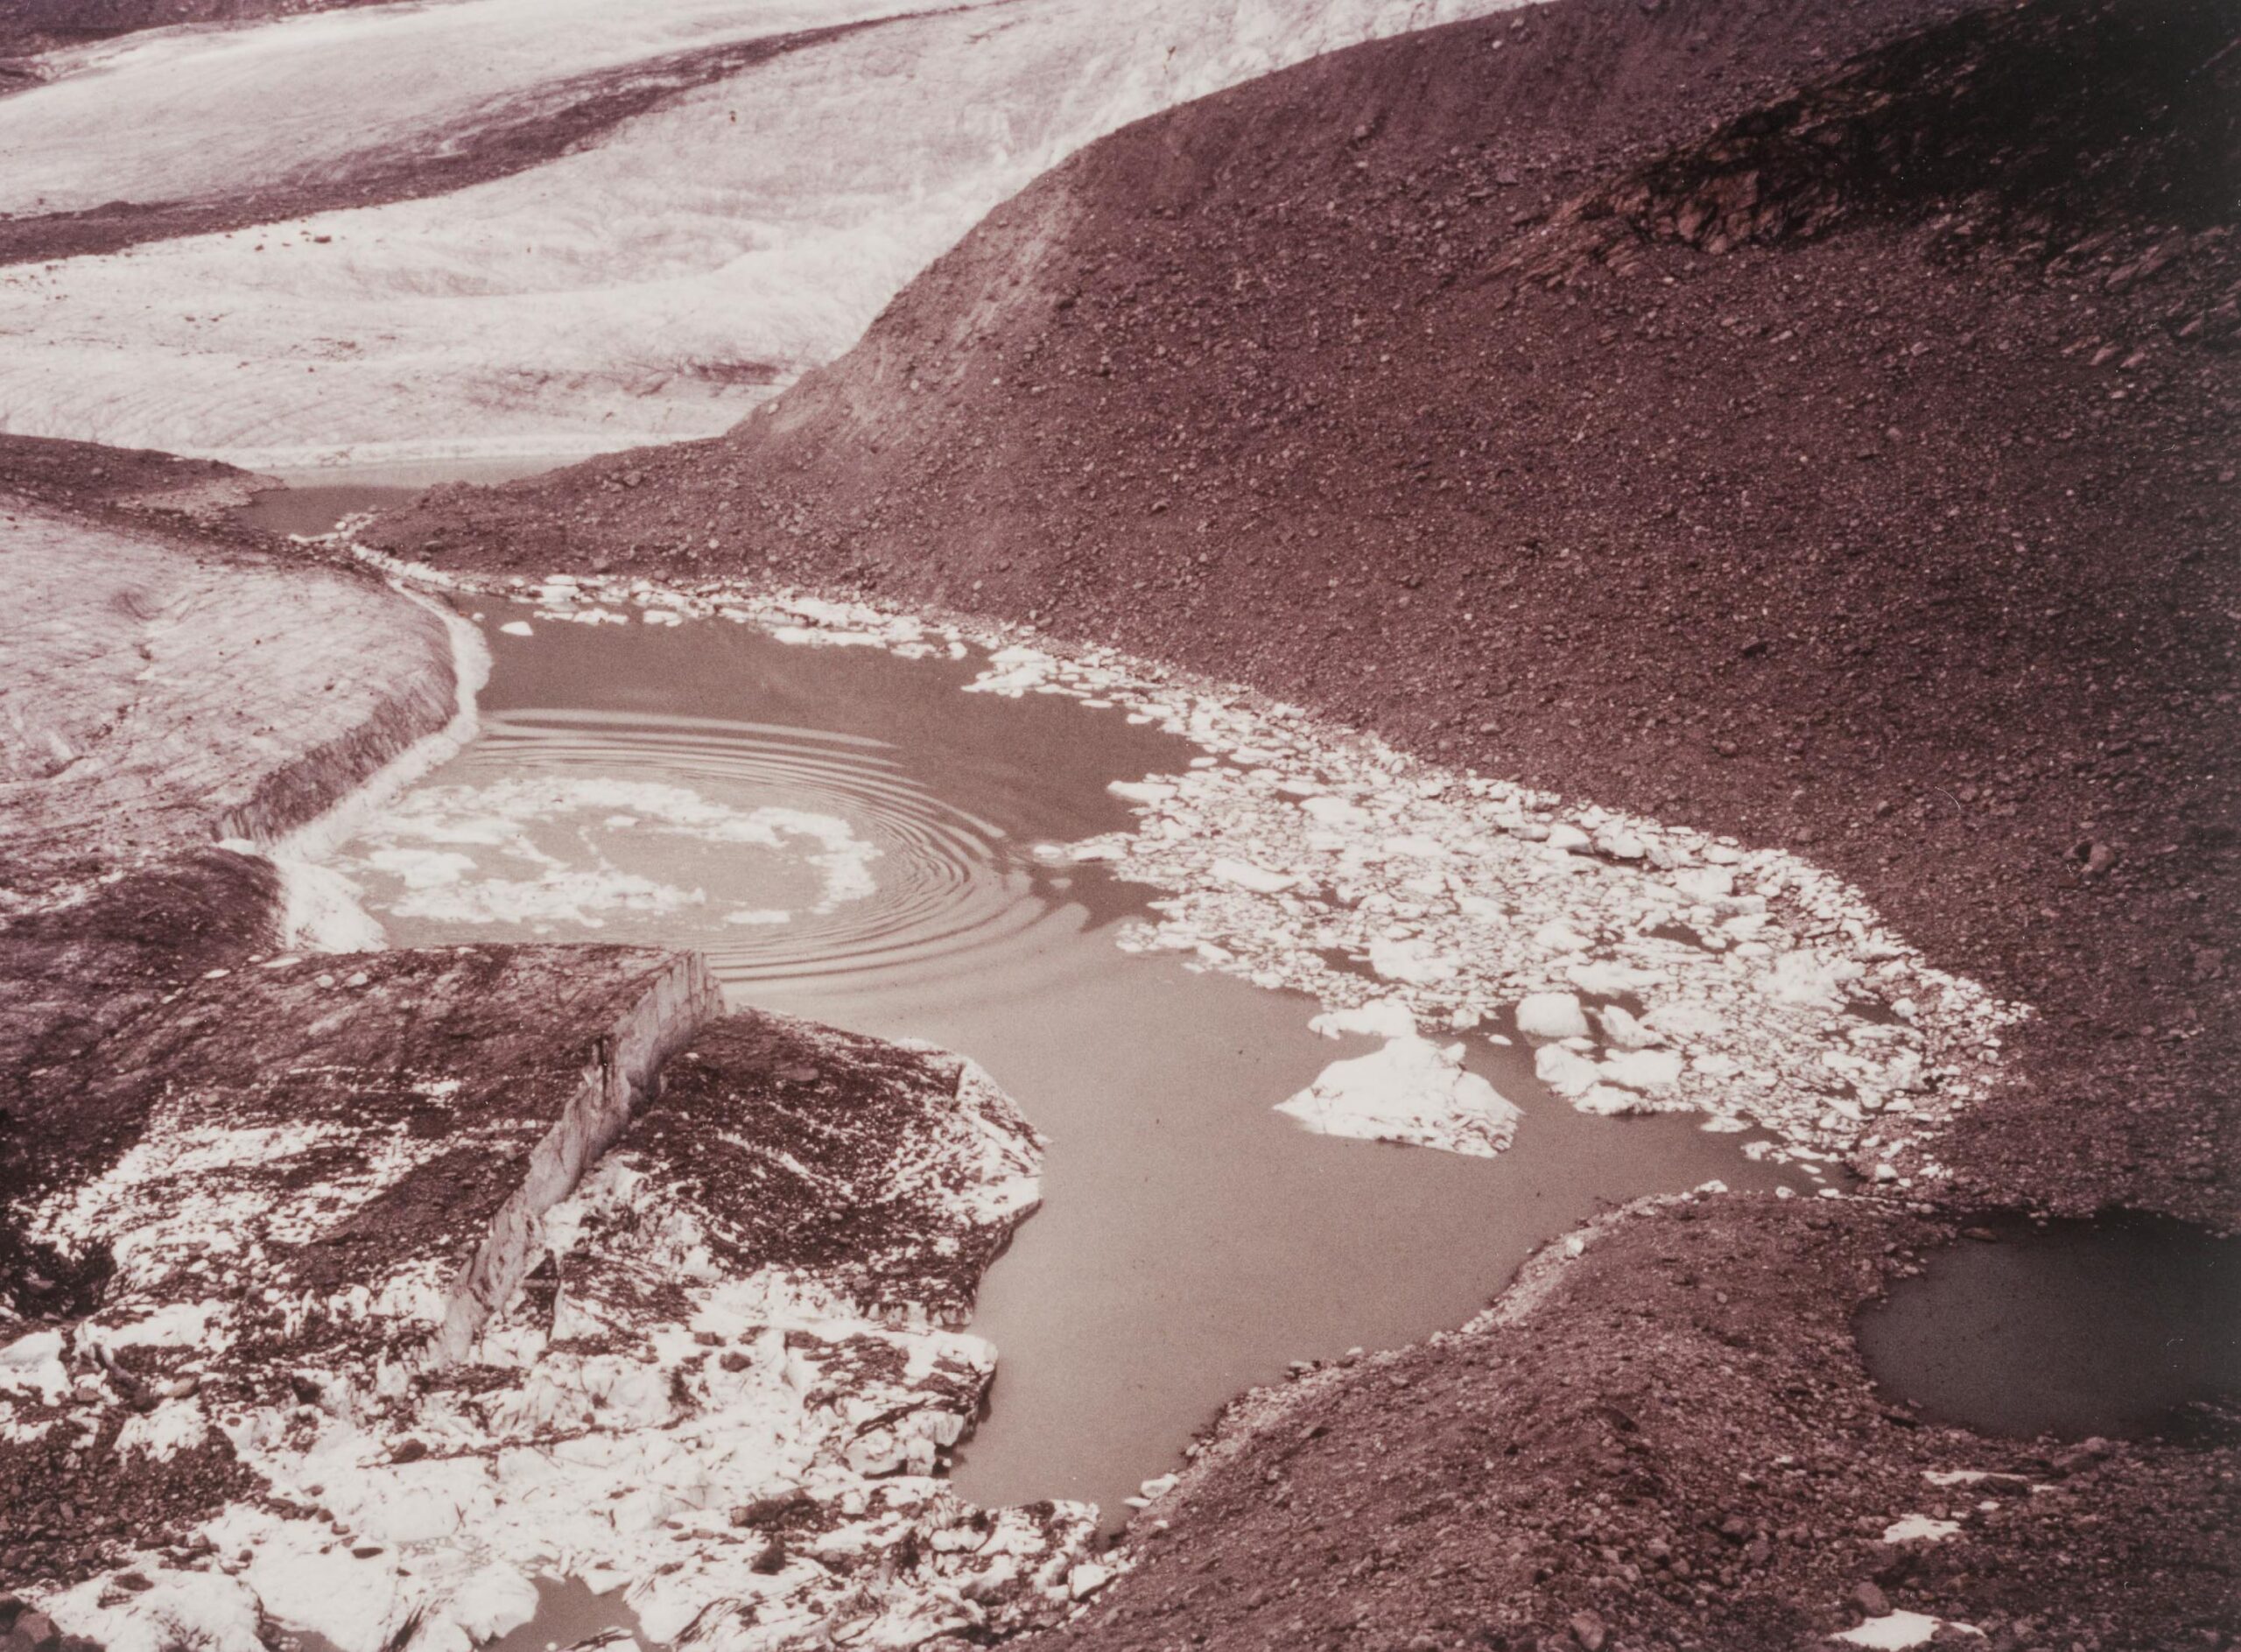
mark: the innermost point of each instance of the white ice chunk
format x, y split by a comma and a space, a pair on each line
1622, 1029
1412, 960
1335, 812
1142, 791
1412, 1091
35, 1362
1706, 883
493, 1601
1805, 978
1643, 1068
1609, 1101
181, 1609
1566, 1072
1919, 1528
1556, 935
1551, 1016
1899, 1630
1684, 1022
1259, 879
1382, 1018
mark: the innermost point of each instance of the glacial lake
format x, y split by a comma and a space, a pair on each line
849, 836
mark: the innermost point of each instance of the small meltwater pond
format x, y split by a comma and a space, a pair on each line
849, 836
2116, 1327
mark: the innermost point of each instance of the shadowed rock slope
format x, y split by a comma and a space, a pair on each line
1806, 420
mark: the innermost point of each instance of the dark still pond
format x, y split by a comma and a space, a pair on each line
2073, 1329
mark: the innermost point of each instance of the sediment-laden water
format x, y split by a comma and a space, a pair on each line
848, 836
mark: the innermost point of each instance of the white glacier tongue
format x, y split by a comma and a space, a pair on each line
652, 285
220, 112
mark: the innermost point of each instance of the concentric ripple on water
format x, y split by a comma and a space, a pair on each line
785, 851
780, 852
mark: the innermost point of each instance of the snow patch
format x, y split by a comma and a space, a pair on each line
1919, 1528
1899, 1630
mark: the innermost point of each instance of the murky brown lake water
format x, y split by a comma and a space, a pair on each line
875, 824
312, 501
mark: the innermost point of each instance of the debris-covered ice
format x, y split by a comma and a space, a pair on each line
720, 1372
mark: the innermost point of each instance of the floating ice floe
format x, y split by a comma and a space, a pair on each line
1412, 1091
1384, 1018
1553, 1016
